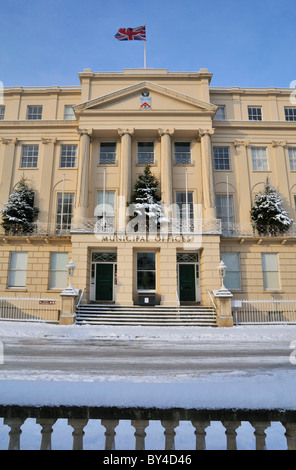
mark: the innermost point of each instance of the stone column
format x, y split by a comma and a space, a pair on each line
125, 176
166, 166
242, 174
67, 316
140, 434
46, 176
15, 432
259, 433
231, 433
169, 433
290, 435
224, 309
78, 425
7, 168
200, 433
207, 173
46, 432
83, 174
110, 425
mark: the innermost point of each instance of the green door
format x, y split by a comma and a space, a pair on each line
104, 281
187, 282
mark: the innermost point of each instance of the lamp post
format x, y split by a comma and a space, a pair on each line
222, 271
70, 272
67, 316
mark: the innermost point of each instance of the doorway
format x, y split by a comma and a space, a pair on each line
103, 277
188, 277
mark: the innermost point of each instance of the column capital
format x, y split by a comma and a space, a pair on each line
6, 141
279, 143
48, 140
204, 132
122, 132
241, 143
169, 132
82, 132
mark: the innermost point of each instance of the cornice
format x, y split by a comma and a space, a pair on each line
23, 124
256, 124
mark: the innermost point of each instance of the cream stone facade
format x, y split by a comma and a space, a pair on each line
83, 148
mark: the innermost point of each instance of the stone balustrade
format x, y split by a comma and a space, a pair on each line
108, 423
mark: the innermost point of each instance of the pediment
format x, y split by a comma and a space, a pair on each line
129, 99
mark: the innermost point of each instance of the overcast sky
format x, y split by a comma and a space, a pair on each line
243, 43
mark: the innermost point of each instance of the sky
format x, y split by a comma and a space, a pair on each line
243, 43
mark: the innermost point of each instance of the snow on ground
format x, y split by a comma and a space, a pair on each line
268, 388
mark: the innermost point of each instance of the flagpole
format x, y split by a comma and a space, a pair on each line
145, 48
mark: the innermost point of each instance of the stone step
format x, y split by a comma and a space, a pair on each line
97, 314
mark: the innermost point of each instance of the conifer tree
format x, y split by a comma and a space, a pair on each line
146, 198
267, 213
19, 212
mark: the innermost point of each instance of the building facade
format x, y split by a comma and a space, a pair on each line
82, 149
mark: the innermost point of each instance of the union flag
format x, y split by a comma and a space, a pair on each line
131, 34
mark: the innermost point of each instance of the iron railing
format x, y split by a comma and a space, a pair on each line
30, 309
263, 311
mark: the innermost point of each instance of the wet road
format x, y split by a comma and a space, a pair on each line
138, 358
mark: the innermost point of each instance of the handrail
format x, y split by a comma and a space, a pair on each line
212, 300
80, 298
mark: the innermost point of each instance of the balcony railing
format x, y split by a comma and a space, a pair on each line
37, 229
246, 229
174, 227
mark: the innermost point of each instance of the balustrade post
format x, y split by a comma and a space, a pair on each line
46, 432
78, 433
110, 425
290, 435
15, 432
200, 433
231, 433
260, 434
169, 433
140, 434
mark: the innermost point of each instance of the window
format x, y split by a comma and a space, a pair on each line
270, 271
34, 113
58, 270
182, 153
69, 114
105, 210
220, 114
2, 112
224, 210
254, 113
29, 156
68, 156
232, 278
17, 269
107, 153
146, 271
290, 114
145, 153
259, 159
65, 209
184, 202
292, 158
221, 158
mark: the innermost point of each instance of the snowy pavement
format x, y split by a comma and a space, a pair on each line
197, 367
